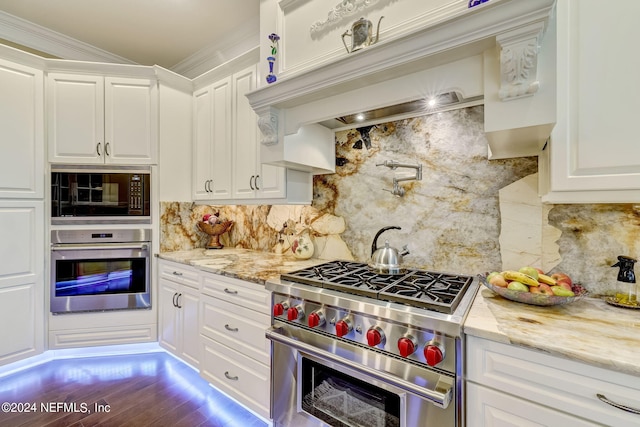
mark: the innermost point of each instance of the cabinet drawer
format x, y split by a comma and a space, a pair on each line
179, 273
237, 375
566, 385
236, 327
246, 294
488, 408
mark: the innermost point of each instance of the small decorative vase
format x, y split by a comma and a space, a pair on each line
271, 77
302, 246
214, 232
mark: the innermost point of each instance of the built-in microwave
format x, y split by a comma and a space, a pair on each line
93, 195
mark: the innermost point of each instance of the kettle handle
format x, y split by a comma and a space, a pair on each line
346, 34
374, 245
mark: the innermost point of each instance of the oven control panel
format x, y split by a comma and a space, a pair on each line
406, 341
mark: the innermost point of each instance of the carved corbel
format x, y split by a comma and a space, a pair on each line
268, 124
519, 61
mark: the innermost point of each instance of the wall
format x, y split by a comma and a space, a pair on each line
467, 215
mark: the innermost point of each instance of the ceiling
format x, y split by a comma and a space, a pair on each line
145, 32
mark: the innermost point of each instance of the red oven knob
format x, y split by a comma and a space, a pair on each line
407, 346
375, 336
295, 313
433, 353
279, 308
315, 319
343, 327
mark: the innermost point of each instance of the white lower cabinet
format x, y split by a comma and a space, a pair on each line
236, 356
507, 385
21, 279
179, 300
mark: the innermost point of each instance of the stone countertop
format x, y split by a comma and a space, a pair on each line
588, 330
244, 264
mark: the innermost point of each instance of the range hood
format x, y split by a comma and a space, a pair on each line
465, 59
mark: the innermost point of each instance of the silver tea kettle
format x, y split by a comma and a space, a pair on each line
361, 34
386, 260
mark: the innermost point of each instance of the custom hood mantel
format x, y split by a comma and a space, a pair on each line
490, 53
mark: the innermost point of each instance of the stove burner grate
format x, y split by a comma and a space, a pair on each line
430, 290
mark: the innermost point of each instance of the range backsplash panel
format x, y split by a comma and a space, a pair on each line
450, 220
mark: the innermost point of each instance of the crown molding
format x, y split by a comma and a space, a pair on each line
34, 36
234, 44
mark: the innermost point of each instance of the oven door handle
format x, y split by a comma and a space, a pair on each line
76, 246
437, 397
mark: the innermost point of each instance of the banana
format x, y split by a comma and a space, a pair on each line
520, 277
543, 278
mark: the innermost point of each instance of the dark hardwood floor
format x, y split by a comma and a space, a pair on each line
151, 389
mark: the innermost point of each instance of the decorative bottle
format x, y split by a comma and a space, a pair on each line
626, 291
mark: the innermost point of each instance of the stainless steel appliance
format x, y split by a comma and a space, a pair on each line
92, 195
98, 270
357, 348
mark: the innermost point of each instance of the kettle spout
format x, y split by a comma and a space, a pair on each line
377, 31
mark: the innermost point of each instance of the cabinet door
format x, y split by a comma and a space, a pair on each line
75, 118
21, 131
271, 182
202, 143
594, 146
245, 137
131, 121
169, 320
221, 160
188, 303
21, 280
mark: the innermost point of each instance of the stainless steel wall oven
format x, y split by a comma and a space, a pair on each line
98, 270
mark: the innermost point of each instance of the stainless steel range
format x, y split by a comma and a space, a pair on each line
352, 347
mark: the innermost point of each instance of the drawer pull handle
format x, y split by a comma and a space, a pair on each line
603, 398
229, 328
229, 377
177, 273
229, 291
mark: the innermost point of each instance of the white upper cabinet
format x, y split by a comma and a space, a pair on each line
250, 178
212, 141
226, 148
594, 151
21, 131
95, 120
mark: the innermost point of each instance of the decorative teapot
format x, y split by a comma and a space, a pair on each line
361, 34
386, 260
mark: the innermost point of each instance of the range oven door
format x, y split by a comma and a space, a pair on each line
320, 380
98, 277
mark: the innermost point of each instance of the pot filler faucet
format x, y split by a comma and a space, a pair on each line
393, 165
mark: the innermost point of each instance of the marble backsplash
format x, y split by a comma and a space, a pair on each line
467, 215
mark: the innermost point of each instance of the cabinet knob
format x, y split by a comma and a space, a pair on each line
251, 182
99, 148
106, 149
255, 181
